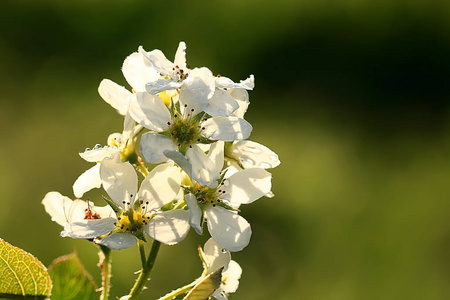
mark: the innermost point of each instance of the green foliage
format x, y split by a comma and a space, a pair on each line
71, 280
23, 276
205, 287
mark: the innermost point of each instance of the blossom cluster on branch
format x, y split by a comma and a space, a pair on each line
182, 160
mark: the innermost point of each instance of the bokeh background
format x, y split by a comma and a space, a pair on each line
352, 95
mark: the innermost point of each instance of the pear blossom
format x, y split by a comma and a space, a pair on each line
136, 211
198, 85
180, 129
139, 210
248, 154
219, 204
137, 72
173, 73
122, 143
176, 72
215, 257
64, 210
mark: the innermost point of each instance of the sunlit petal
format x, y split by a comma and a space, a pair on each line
169, 227
195, 213
153, 146
226, 128
138, 71
118, 241
248, 185
254, 155
149, 111
87, 181
227, 228
161, 186
221, 104
88, 229
216, 256
119, 180
115, 95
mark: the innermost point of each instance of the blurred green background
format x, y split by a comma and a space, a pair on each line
352, 95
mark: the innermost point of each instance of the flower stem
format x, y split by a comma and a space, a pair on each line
142, 252
141, 166
179, 291
105, 265
145, 271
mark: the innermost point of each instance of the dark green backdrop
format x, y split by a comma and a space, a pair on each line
353, 96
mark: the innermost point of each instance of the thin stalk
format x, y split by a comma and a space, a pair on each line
181, 290
145, 272
142, 252
105, 265
141, 166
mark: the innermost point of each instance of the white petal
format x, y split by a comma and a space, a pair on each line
118, 241
254, 155
197, 89
87, 181
115, 95
248, 185
104, 211
224, 82
180, 160
226, 128
216, 155
219, 295
129, 127
241, 97
195, 213
221, 104
55, 205
158, 61
230, 277
153, 146
119, 180
161, 186
150, 111
138, 71
230, 230
163, 84
216, 256
169, 227
180, 56
98, 154
77, 211
202, 167
88, 229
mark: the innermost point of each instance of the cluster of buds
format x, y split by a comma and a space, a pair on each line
183, 159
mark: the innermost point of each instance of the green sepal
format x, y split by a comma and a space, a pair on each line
202, 256
204, 140
205, 286
22, 275
140, 235
224, 205
198, 117
168, 206
172, 109
117, 209
177, 106
70, 279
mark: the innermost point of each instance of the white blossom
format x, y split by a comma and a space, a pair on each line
219, 206
215, 257
122, 143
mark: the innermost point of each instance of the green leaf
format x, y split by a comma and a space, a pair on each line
70, 279
206, 286
22, 275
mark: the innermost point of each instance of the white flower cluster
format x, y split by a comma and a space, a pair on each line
191, 132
